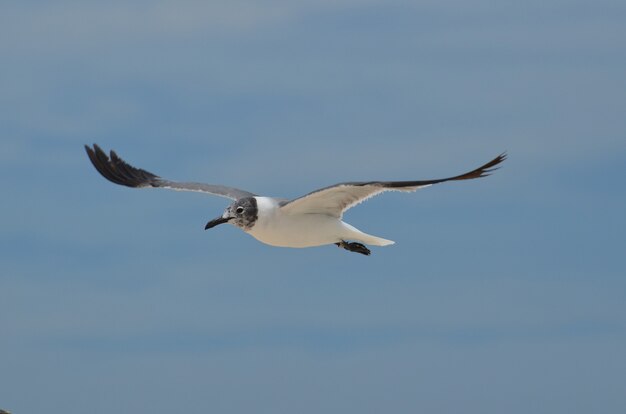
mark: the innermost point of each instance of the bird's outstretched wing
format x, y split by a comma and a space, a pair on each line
336, 199
116, 170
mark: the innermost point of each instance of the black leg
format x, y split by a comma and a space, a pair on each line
354, 247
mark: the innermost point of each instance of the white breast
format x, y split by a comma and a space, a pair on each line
277, 228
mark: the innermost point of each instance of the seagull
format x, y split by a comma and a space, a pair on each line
314, 219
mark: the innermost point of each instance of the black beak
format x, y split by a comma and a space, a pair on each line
215, 222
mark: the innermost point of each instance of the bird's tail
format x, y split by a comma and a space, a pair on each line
376, 241
356, 234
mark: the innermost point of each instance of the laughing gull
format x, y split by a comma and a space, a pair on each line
314, 219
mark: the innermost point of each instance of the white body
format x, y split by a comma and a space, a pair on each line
276, 227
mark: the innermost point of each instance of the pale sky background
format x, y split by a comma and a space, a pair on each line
502, 295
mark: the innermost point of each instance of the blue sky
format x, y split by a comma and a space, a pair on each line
501, 295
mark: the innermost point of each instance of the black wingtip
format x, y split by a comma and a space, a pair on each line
480, 172
116, 170
494, 164
484, 170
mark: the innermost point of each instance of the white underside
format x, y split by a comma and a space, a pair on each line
277, 228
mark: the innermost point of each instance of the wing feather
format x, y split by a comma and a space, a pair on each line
338, 198
118, 171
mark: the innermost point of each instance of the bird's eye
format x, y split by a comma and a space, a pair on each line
239, 210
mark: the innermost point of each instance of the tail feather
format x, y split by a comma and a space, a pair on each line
353, 233
376, 241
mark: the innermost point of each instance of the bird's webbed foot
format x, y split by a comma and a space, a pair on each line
354, 247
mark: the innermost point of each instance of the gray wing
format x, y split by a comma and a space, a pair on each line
336, 199
116, 170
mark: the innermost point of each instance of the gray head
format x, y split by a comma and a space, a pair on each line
242, 213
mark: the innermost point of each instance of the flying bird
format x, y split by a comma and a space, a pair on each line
314, 219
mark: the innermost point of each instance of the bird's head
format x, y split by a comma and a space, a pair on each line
243, 213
